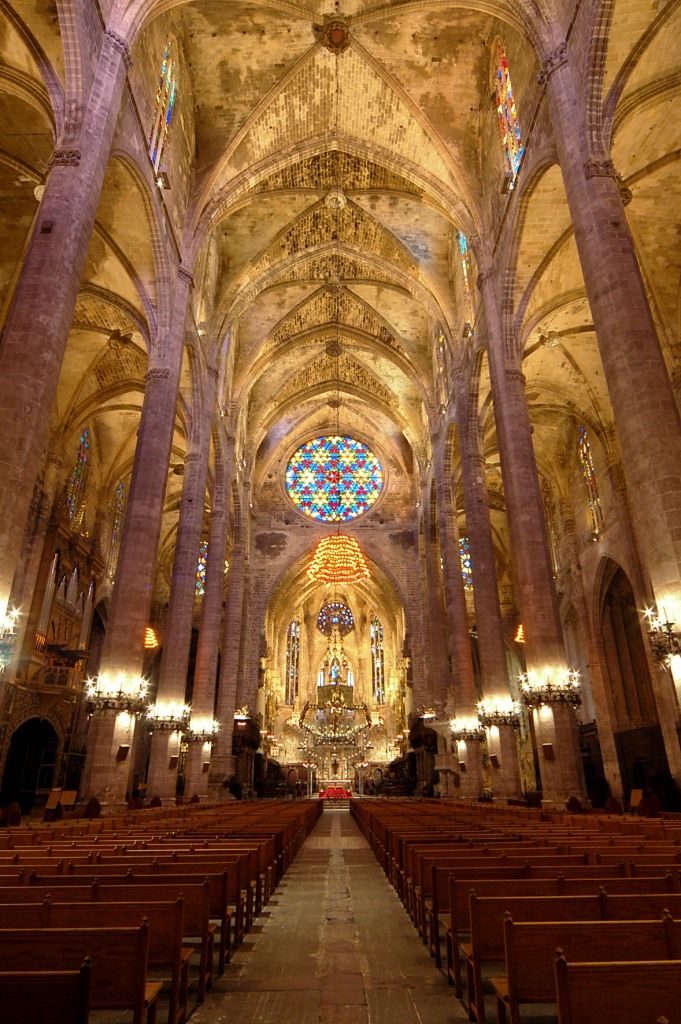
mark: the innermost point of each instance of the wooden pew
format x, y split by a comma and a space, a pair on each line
119, 963
460, 890
166, 931
637, 992
50, 997
486, 944
530, 954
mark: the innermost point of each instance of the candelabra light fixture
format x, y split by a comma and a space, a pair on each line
242, 714
8, 636
555, 685
499, 712
338, 559
467, 727
165, 716
202, 730
117, 693
664, 640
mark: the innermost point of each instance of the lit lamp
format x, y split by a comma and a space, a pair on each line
467, 728
8, 637
664, 640
202, 730
165, 716
499, 712
117, 693
338, 559
552, 686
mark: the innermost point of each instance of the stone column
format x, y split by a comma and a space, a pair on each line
105, 776
501, 733
172, 684
222, 761
438, 659
555, 724
39, 318
203, 697
646, 413
467, 753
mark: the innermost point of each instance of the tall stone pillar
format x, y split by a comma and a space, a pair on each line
465, 742
554, 720
222, 761
499, 714
172, 683
39, 318
438, 658
112, 731
203, 697
646, 413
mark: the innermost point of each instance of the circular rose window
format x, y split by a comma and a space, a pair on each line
333, 478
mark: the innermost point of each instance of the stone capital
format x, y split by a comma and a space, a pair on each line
157, 373
557, 58
484, 277
191, 457
511, 373
119, 44
599, 169
64, 158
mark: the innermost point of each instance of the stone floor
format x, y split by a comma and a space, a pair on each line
334, 946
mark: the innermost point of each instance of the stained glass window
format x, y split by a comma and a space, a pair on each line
333, 478
466, 568
75, 489
292, 660
166, 94
377, 660
550, 518
586, 462
467, 273
509, 124
335, 613
116, 527
201, 564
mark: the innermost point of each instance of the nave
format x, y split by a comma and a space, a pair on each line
335, 947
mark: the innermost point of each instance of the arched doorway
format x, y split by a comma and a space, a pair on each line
30, 765
638, 737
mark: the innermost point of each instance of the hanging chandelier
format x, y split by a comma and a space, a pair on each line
338, 559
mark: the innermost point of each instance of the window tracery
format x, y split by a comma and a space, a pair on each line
166, 95
333, 478
377, 660
586, 463
116, 527
335, 613
201, 564
509, 123
75, 488
466, 567
292, 660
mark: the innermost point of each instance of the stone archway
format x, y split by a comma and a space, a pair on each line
30, 765
638, 737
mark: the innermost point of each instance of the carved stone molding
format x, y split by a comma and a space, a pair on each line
512, 374
191, 457
158, 373
554, 60
483, 277
185, 275
119, 45
64, 158
599, 169
212, 372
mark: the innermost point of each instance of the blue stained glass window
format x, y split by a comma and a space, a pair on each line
201, 564
118, 510
335, 613
377, 661
292, 660
586, 462
466, 568
333, 478
75, 489
467, 272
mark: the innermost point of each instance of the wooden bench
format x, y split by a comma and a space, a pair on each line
50, 997
636, 992
530, 950
166, 930
119, 963
486, 944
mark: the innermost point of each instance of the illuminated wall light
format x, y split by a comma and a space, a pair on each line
151, 640
519, 637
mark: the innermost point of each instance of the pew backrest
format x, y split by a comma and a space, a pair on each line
638, 992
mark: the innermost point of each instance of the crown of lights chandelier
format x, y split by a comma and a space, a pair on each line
338, 559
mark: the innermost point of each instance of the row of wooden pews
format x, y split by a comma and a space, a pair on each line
123, 912
538, 908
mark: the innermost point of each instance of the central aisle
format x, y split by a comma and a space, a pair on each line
334, 946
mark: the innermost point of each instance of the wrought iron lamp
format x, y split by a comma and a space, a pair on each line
664, 640
168, 717
467, 728
202, 730
499, 713
117, 693
554, 686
